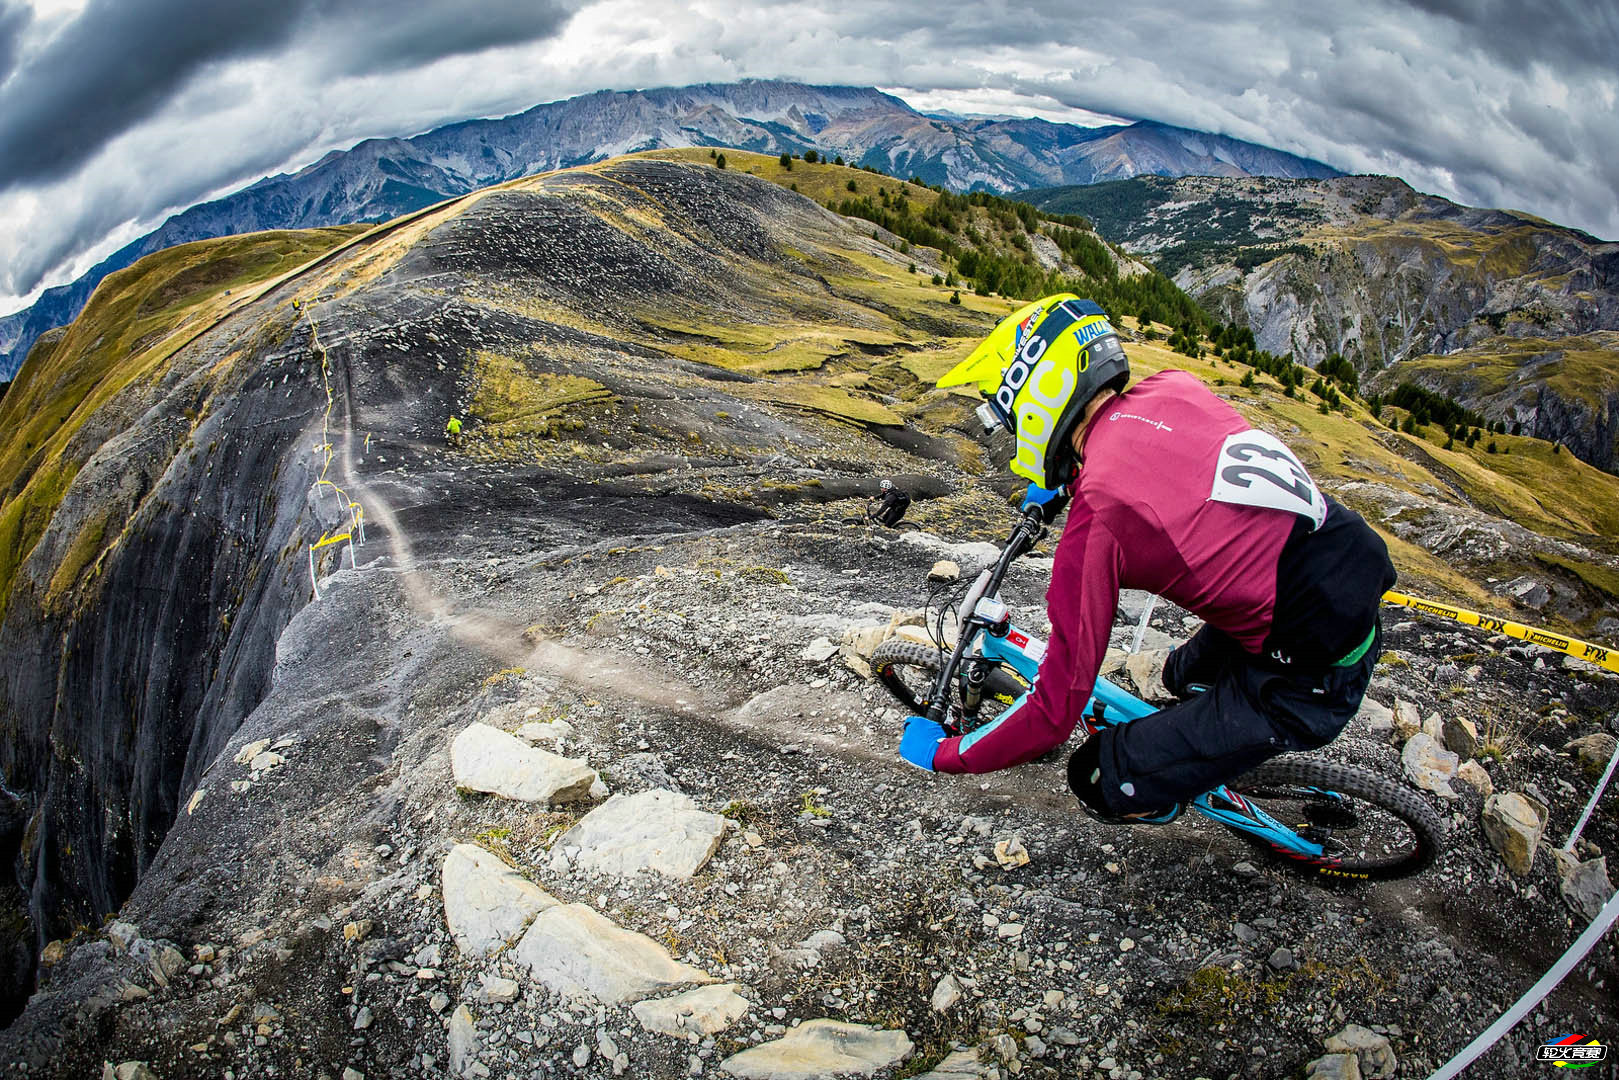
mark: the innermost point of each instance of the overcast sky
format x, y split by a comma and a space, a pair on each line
116, 113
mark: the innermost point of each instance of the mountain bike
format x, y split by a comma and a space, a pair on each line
1321, 817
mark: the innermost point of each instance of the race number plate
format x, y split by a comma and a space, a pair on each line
1254, 468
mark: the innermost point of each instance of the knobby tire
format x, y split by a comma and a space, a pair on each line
1290, 777
893, 657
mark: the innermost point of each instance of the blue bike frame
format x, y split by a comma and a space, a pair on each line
1021, 651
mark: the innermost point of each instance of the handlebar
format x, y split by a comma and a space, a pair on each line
1029, 531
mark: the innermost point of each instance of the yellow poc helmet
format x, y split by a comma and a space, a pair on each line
1038, 370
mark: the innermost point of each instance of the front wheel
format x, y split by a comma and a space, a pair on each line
907, 669
1370, 828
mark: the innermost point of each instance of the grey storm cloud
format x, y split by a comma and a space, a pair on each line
120, 61
13, 20
1517, 33
131, 108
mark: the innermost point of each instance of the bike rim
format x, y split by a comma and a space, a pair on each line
1357, 837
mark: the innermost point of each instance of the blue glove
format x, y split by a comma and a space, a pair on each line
921, 741
1050, 500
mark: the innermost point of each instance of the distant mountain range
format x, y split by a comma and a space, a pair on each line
1515, 317
382, 178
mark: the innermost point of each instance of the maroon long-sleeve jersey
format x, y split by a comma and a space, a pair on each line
1142, 517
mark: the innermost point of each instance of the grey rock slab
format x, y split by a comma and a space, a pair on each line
1586, 887
552, 731
486, 759
463, 1039
946, 993
486, 902
820, 1048
705, 1011
961, 1065
1513, 823
575, 951
657, 830
819, 649
1428, 765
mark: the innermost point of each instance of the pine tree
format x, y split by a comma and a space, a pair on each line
811, 157
786, 160
719, 162
955, 297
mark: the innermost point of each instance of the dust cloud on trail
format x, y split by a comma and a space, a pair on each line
502, 638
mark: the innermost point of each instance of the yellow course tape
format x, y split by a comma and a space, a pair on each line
356, 513
1583, 650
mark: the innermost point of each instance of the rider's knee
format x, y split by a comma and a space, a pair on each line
1085, 775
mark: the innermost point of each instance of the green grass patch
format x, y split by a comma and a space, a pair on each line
511, 401
827, 401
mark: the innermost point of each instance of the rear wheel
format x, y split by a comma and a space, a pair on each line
908, 669
1371, 828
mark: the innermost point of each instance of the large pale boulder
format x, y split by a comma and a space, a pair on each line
1377, 718
1428, 765
1334, 1067
1476, 777
1146, 670
820, 1048
704, 1011
1461, 737
1407, 720
1372, 1051
578, 952
1513, 823
487, 759
654, 830
486, 902
1592, 751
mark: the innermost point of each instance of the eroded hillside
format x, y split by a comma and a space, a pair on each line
1471, 301
679, 383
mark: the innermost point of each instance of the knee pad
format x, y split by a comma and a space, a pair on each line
1085, 775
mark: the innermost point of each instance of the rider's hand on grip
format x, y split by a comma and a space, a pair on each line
921, 741
1049, 501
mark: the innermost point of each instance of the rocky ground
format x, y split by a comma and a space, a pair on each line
578, 774
301, 927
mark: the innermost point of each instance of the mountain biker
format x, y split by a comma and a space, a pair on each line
1171, 492
890, 505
